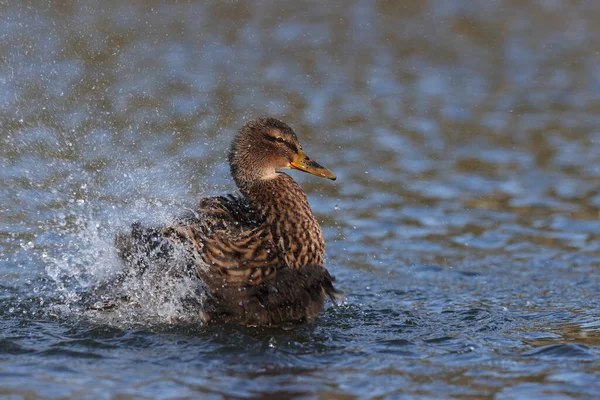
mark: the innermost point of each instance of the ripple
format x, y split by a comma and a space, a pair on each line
10, 347
60, 353
572, 351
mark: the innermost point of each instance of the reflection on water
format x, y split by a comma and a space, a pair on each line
464, 225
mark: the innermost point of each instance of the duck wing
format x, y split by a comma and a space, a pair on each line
232, 255
221, 213
215, 220
232, 242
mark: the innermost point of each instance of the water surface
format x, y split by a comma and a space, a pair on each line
464, 226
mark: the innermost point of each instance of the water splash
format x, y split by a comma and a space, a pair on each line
90, 279
73, 242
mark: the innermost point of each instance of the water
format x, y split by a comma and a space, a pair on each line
464, 226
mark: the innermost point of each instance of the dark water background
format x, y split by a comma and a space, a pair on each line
464, 226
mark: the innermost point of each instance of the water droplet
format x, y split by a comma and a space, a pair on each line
27, 246
336, 207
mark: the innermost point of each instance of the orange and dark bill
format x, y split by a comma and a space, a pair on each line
304, 163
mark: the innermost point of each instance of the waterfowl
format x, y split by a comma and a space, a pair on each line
258, 254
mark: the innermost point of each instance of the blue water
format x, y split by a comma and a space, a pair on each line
464, 227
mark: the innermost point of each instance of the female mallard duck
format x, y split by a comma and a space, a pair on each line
259, 255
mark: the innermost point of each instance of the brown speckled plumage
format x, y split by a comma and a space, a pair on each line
262, 252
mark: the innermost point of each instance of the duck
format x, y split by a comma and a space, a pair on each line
259, 254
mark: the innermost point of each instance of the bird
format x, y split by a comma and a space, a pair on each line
259, 253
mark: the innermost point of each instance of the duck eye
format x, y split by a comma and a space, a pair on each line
279, 139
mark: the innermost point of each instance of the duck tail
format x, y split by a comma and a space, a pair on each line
330, 290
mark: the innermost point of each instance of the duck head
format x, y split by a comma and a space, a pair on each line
265, 146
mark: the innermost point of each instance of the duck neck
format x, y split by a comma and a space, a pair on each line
284, 206
277, 197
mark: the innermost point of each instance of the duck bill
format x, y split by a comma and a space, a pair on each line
304, 163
